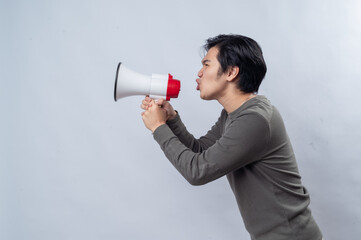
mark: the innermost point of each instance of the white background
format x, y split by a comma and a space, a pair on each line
74, 164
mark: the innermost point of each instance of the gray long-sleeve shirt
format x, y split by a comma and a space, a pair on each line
251, 147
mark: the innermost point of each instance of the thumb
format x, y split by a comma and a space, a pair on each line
160, 101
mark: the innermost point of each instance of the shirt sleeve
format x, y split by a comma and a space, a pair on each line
196, 145
243, 142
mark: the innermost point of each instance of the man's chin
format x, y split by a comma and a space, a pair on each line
204, 97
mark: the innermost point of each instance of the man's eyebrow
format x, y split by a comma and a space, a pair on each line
205, 61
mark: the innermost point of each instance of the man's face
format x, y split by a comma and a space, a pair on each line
210, 83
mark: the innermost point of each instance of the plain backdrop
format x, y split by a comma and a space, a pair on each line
74, 164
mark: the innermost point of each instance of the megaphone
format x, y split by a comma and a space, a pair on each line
130, 83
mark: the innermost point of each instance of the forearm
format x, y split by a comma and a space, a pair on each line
179, 129
242, 143
194, 168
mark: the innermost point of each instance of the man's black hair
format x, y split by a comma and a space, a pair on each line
243, 52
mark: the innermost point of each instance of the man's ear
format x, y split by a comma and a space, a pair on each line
232, 73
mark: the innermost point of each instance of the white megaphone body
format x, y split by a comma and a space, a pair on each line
130, 83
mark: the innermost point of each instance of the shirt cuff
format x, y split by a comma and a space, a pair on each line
174, 120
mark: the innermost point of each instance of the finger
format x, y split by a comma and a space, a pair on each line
160, 101
145, 102
145, 113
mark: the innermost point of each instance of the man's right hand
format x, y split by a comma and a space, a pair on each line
162, 103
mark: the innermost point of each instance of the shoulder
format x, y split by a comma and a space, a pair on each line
258, 106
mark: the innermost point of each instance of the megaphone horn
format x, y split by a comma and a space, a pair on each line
130, 83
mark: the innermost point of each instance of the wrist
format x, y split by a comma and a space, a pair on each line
173, 115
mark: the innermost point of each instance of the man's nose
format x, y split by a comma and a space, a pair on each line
200, 73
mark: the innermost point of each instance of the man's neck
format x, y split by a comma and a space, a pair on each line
234, 100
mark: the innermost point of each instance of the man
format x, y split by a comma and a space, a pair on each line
248, 143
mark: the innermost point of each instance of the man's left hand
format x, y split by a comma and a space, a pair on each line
154, 116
